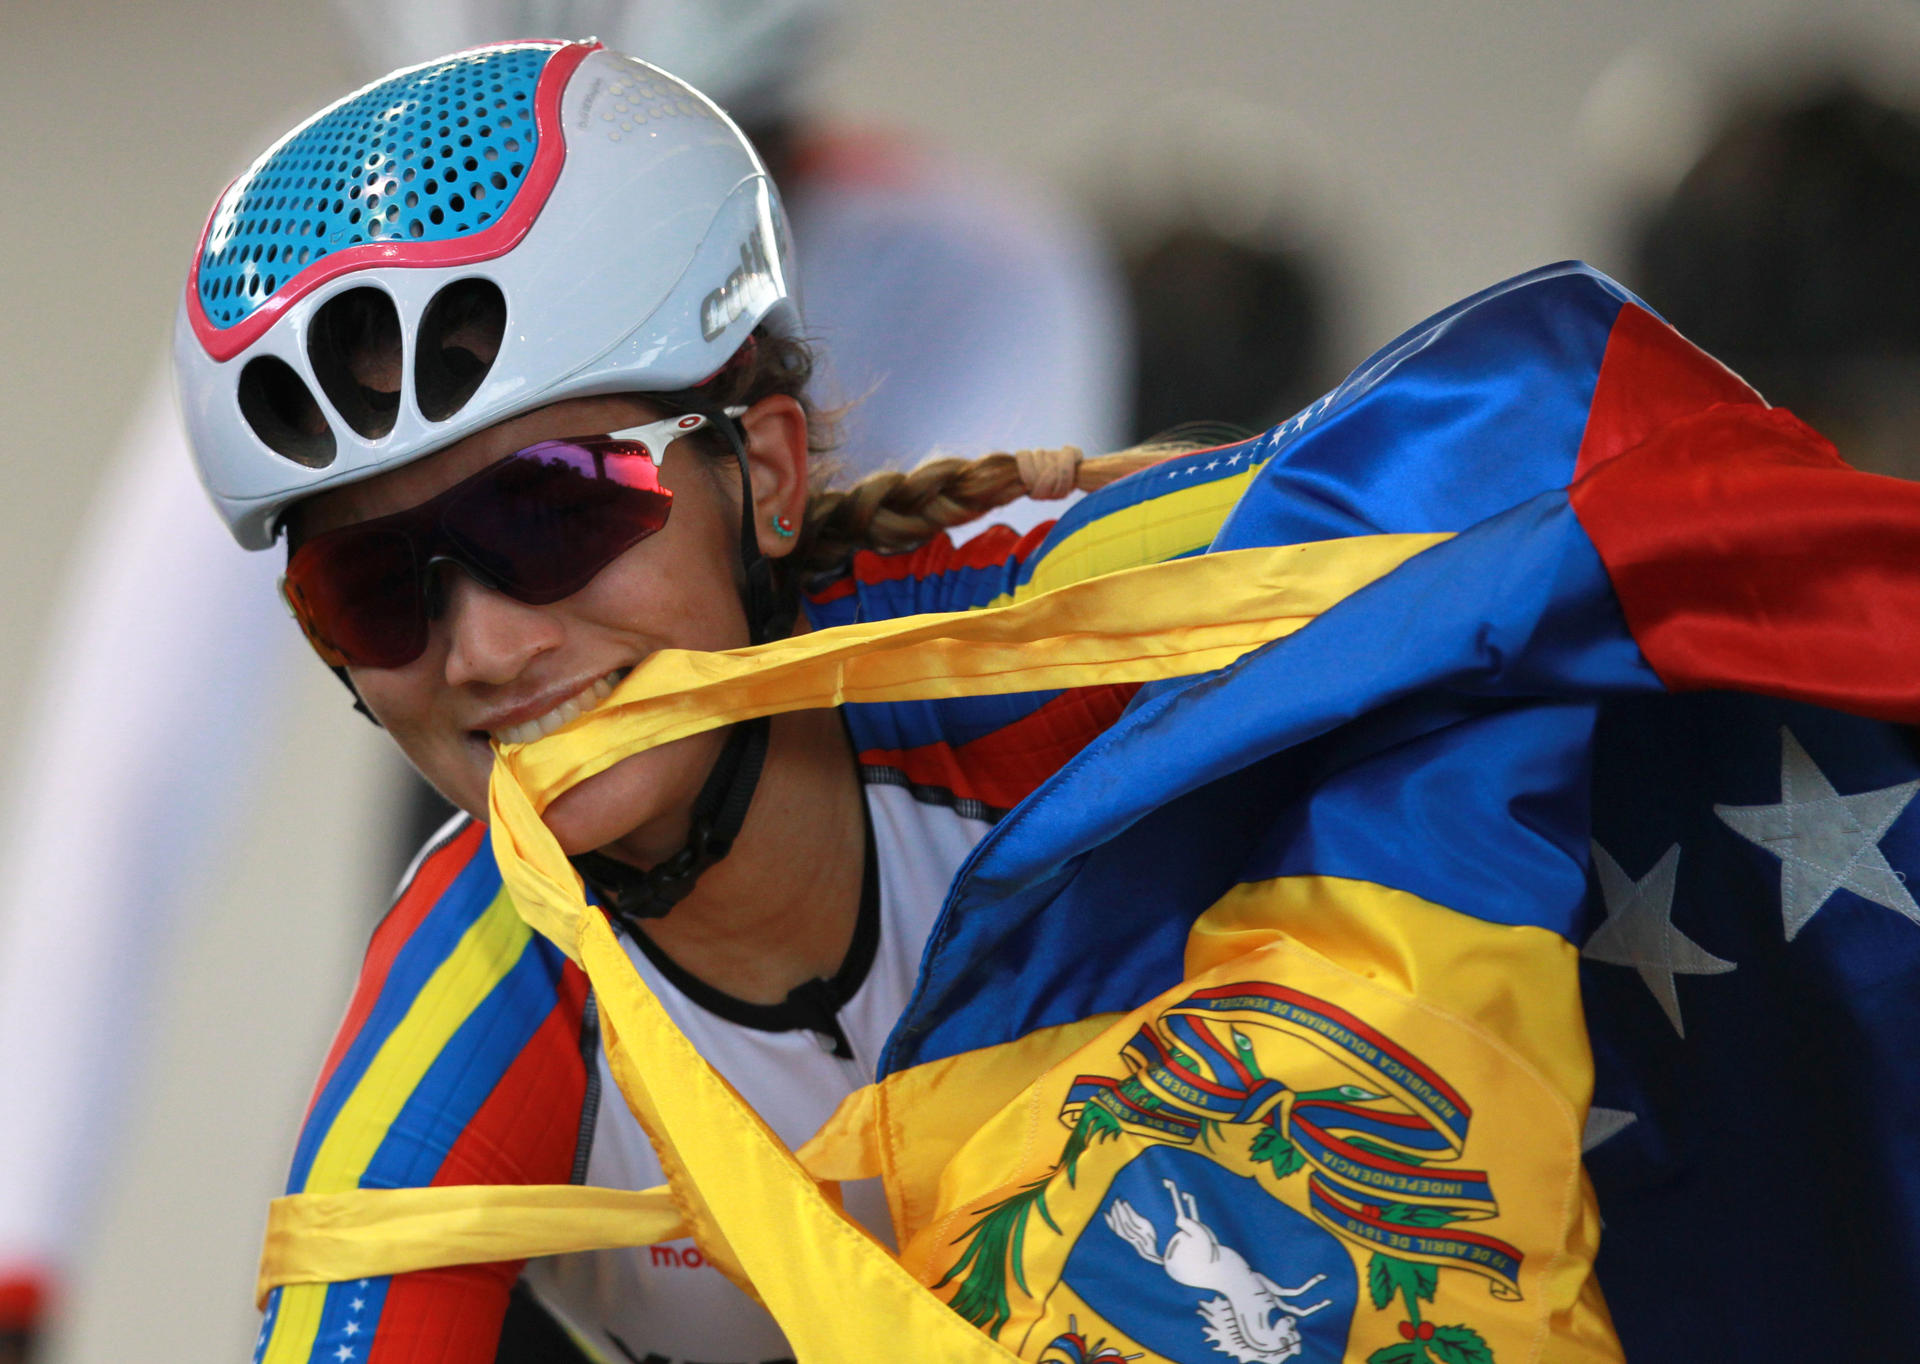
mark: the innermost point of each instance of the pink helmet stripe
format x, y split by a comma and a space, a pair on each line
494, 241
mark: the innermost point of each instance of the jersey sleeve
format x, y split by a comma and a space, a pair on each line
983, 754
459, 1061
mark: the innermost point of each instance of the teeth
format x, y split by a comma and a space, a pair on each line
570, 709
517, 734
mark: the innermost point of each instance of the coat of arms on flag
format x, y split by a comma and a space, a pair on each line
1267, 1171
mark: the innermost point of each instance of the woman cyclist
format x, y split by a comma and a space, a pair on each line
507, 347
414, 330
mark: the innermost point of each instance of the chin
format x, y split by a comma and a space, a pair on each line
640, 802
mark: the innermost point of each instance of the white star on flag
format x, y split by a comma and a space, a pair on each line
353, 1328
343, 1354
1639, 930
1603, 1124
1825, 841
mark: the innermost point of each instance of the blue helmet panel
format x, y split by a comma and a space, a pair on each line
426, 155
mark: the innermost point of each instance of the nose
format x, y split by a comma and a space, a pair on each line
491, 638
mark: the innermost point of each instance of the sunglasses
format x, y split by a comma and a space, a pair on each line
536, 525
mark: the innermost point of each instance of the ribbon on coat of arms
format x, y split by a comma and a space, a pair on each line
1376, 1151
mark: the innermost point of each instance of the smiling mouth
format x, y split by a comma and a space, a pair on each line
571, 708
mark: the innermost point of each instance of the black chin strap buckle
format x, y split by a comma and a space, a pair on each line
631, 894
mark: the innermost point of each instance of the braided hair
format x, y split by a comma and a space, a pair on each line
893, 511
889, 510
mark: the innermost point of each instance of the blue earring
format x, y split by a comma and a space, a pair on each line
783, 527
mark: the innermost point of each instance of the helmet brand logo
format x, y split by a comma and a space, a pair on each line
751, 286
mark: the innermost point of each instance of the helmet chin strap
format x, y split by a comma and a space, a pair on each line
632, 894
719, 811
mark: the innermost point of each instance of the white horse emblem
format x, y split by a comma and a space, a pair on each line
1250, 1318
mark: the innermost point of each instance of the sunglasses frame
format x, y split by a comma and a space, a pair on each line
649, 439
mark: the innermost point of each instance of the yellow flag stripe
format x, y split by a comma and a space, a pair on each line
484, 954
800, 1258
362, 1233
1170, 526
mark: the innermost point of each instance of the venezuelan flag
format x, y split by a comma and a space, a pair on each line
1530, 716
1357, 1049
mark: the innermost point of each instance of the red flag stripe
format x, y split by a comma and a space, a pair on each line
429, 883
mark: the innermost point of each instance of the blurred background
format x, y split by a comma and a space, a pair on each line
1282, 186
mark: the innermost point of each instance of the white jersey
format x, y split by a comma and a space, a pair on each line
663, 1304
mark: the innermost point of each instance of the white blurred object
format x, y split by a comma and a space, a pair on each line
955, 311
748, 56
165, 636
1643, 123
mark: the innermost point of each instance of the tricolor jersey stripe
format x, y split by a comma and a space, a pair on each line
985, 753
427, 881
459, 1062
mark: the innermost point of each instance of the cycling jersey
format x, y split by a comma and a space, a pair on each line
467, 1055
793, 1063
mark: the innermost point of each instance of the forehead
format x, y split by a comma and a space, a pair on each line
427, 477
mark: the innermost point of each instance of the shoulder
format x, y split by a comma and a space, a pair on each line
938, 576
983, 754
1167, 511
461, 1042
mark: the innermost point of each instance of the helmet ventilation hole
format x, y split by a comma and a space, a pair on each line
353, 344
459, 337
282, 412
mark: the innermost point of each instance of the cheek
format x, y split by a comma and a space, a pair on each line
456, 764
661, 595
644, 800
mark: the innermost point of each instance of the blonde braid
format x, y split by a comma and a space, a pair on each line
892, 511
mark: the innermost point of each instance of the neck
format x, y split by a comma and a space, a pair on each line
781, 907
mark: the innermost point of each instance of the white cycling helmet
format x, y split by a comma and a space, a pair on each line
630, 231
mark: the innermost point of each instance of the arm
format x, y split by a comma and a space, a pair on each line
458, 1062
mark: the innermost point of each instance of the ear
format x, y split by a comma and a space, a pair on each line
776, 431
